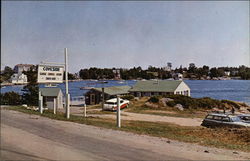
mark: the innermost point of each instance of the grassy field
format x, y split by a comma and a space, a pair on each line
237, 139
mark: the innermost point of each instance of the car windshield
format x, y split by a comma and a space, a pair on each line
236, 119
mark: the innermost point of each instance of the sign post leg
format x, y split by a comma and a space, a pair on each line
85, 113
40, 103
54, 106
118, 116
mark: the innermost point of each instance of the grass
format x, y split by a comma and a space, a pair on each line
100, 112
236, 139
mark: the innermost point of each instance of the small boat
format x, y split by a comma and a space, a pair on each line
121, 82
86, 88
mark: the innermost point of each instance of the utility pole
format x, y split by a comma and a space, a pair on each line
118, 114
67, 96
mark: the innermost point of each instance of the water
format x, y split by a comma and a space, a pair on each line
236, 90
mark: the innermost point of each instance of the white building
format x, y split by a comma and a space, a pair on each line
178, 76
227, 73
19, 68
19, 78
159, 87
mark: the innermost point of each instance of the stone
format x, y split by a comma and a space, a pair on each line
151, 105
179, 107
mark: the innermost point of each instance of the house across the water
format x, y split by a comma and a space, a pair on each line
159, 87
94, 96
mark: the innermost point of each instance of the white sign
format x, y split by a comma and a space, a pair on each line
50, 74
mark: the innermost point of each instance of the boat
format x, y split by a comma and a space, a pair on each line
86, 88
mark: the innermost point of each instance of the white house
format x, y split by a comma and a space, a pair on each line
19, 68
160, 87
19, 78
178, 76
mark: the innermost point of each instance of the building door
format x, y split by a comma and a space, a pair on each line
92, 99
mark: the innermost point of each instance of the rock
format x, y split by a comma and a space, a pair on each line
151, 105
168, 99
24, 105
164, 101
206, 151
179, 107
235, 152
136, 98
168, 141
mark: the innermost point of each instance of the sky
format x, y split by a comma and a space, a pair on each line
124, 34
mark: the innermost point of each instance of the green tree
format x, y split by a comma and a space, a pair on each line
30, 95
6, 74
10, 98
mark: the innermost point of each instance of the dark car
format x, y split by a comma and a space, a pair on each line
245, 118
223, 120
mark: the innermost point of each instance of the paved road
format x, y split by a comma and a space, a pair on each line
30, 137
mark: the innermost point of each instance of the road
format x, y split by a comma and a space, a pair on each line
31, 137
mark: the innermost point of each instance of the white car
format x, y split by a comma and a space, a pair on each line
111, 104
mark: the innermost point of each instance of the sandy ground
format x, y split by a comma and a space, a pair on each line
142, 117
29, 137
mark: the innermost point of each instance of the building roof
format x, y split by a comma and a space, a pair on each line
114, 90
52, 91
155, 86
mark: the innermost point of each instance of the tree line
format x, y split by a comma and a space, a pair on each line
191, 72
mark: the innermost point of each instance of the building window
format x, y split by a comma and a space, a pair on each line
58, 74
42, 73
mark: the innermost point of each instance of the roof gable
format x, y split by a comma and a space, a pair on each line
155, 86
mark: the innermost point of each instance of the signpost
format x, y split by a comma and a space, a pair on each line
50, 72
66, 85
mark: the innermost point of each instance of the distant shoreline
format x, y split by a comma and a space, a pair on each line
78, 80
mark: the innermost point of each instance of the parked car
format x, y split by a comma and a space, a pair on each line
111, 105
223, 120
245, 118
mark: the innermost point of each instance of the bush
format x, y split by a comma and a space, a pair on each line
171, 103
128, 97
10, 98
207, 102
188, 102
154, 99
234, 104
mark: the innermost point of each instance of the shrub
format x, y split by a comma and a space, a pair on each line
188, 102
10, 98
234, 104
154, 99
128, 97
207, 102
171, 103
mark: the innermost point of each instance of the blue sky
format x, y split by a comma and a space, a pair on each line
126, 34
